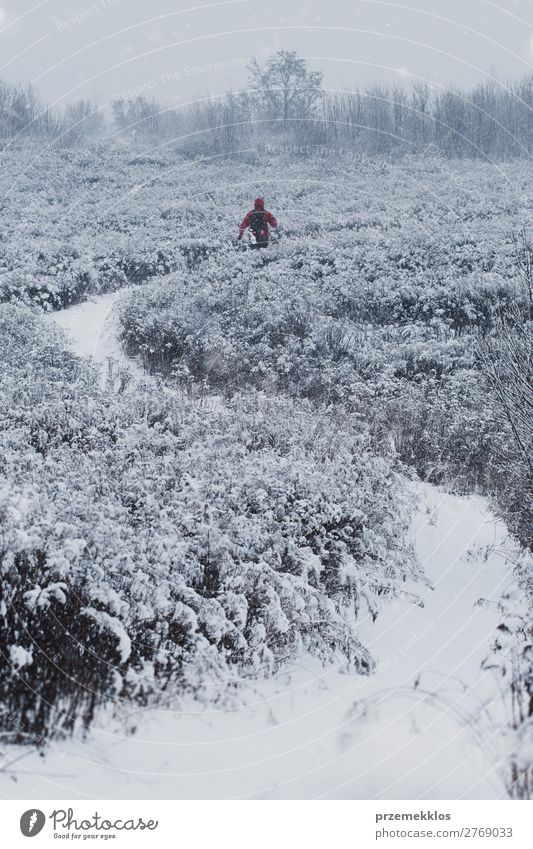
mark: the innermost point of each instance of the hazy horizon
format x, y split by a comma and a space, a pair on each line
103, 49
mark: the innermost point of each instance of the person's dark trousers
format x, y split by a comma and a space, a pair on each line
259, 245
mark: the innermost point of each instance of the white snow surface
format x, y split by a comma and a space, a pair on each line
91, 328
428, 724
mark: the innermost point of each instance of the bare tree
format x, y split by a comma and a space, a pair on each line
284, 87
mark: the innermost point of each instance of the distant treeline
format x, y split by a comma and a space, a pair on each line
286, 103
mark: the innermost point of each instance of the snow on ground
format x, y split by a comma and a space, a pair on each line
314, 732
91, 327
428, 724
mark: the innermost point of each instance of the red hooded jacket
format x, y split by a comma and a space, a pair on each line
259, 206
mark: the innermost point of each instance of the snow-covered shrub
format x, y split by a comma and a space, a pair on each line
416, 385
511, 658
254, 328
507, 362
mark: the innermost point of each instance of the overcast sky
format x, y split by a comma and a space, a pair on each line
175, 50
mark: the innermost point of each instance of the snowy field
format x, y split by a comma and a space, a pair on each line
313, 732
243, 526
96, 220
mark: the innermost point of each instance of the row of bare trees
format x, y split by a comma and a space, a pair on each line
286, 100
23, 115
490, 121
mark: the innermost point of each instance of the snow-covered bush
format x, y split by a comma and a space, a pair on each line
507, 361
416, 384
511, 658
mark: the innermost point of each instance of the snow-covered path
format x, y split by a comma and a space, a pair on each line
428, 724
91, 327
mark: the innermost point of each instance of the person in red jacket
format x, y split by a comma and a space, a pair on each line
258, 220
